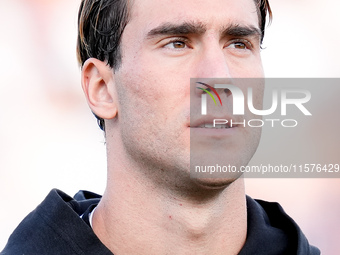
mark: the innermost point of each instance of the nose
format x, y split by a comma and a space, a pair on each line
211, 62
211, 68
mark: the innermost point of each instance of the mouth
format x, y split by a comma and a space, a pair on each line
204, 129
212, 122
212, 126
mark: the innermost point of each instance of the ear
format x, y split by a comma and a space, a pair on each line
97, 80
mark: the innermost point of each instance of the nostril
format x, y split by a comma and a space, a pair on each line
228, 92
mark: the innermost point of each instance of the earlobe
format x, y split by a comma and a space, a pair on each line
98, 85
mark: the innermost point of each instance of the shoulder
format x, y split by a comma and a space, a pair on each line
55, 227
272, 231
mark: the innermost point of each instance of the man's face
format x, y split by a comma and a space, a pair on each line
165, 43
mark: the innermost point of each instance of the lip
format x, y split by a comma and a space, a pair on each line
200, 127
213, 132
209, 120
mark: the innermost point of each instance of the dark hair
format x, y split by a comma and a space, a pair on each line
263, 8
101, 24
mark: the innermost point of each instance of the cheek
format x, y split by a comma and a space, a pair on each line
254, 95
248, 68
150, 121
154, 87
258, 91
142, 76
149, 100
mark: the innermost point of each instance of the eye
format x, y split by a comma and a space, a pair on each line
240, 45
176, 44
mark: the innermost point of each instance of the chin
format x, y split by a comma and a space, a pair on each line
215, 183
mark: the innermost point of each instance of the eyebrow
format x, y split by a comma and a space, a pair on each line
237, 30
177, 29
232, 30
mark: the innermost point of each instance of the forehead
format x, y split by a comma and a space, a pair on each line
146, 14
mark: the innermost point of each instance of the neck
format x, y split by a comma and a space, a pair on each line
138, 217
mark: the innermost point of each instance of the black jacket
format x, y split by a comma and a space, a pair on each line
55, 227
